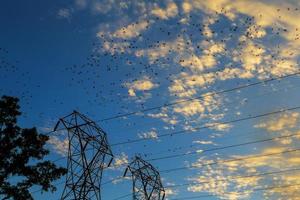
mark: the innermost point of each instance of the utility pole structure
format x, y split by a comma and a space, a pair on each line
146, 180
88, 155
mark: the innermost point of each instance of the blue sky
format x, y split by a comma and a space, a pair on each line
107, 57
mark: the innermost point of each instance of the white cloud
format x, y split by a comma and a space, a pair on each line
64, 13
59, 145
164, 116
218, 126
148, 135
120, 162
170, 192
203, 142
81, 3
121, 159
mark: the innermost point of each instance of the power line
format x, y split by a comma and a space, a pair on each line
215, 124
216, 103
192, 146
254, 190
192, 99
199, 97
225, 147
212, 163
218, 148
229, 160
209, 126
203, 127
132, 127
222, 180
263, 94
234, 178
62, 158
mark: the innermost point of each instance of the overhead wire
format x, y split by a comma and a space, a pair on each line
203, 127
190, 99
217, 162
214, 163
197, 98
63, 157
253, 190
230, 178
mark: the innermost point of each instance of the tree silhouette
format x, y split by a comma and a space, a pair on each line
21, 156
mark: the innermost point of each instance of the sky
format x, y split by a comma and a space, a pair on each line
209, 88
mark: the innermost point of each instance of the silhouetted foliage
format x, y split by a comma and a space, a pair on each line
21, 154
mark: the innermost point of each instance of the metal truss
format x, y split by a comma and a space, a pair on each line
88, 155
146, 180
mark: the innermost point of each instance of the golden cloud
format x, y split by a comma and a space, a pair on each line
283, 122
132, 30
143, 84
170, 11
225, 178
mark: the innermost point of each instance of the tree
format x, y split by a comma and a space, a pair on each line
21, 156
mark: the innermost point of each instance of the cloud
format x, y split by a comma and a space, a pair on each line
143, 84
252, 56
227, 180
188, 84
60, 146
178, 47
219, 126
101, 7
170, 192
121, 159
224, 179
64, 13
120, 162
171, 10
216, 181
203, 142
207, 104
245, 53
81, 3
164, 116
190, 108
263, 42
280, 16
206, 60
148, 135
132, 30
283, 122
186, 7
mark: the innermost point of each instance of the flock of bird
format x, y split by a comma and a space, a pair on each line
14, 80
106, 74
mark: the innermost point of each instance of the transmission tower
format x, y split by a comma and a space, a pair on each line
88, 154
146, 180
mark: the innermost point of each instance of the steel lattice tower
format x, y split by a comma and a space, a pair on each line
146, 180
88, 154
